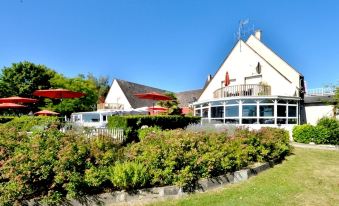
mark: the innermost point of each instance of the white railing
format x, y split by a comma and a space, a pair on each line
320, 91
243, 90
116, 134
114, 106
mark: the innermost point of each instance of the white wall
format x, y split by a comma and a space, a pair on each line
316, 112
278, 63
241, 63
116, 95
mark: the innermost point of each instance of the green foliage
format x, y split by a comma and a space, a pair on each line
181, 157
4, 119
143, 132
336, 97
325, 132
102, 86
129, 175
33, 123
132, 123
78, 84
172, 105
304, 133
51, 166
23, 78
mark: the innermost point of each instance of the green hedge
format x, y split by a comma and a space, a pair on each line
325, 132
132, 123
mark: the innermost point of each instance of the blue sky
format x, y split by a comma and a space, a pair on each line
170, 44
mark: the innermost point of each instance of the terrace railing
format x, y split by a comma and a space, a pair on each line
320, 91
111, 106
243, 90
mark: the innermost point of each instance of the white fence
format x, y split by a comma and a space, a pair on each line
116, 134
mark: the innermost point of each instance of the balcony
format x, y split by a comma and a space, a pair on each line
110, 106
243, 90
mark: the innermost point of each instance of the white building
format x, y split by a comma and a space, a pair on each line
263, 89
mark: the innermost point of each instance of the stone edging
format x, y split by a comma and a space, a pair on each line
161, 193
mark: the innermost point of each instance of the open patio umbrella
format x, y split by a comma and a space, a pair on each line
227, 79
153, 96
11, 106
46, 113
16, 99
58, 93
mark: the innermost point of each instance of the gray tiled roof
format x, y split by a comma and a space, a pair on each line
130, 89
187, 97
318, 99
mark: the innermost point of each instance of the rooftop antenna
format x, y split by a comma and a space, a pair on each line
242, 31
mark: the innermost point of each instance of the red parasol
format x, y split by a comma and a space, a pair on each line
58, 93
153, 96
157, 109
15, 99
46, 113
227, 79
11, 106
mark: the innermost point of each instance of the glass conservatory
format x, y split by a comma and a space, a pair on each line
270, 110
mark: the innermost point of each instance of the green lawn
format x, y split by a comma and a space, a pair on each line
308, 177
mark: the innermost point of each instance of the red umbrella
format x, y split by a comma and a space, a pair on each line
11, 106
153, 96
46, 113
58, 93
227, 79
157, 109
15, 99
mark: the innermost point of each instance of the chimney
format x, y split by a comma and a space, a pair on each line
257, 34
209, 77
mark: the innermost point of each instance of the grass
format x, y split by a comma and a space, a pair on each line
308, 177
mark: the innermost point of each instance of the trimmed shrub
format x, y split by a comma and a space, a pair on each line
325, 132
330, 134
131, 123
304, 133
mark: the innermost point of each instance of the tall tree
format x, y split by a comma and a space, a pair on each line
79, 84
23, 78
102, 86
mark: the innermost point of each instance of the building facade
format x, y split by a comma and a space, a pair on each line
253, 86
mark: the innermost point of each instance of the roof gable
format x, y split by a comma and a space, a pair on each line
130, 89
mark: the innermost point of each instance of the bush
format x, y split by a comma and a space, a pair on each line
129, 175
53, 167
181, 157
132, 123
143, 132
304, 133
325, 132
33, 123
331, 126
4, 119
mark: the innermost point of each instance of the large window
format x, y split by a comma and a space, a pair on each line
232, 111
249, 110
266, 110
217, 112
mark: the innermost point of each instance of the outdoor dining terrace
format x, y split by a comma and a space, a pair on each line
243, 90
